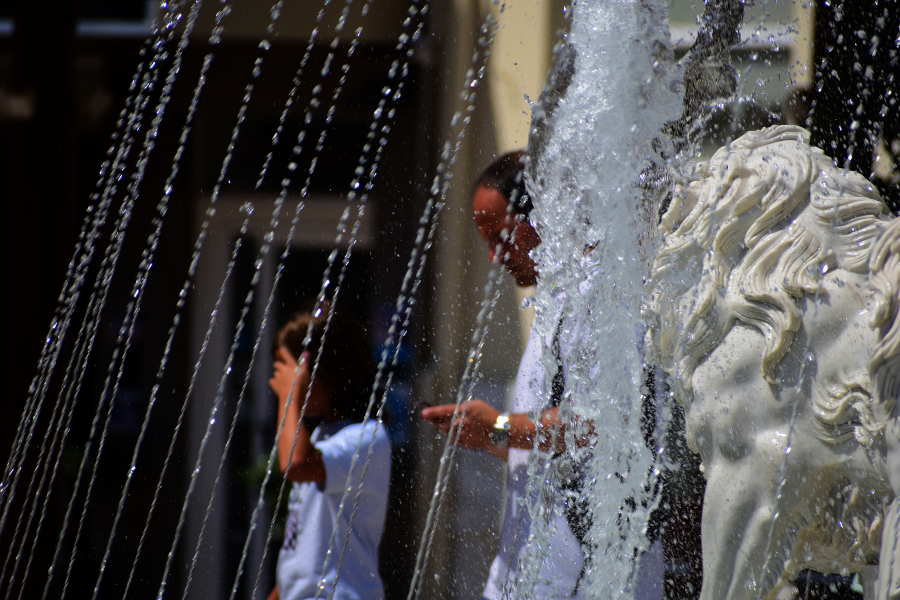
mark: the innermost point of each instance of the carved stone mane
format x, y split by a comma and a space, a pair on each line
750, 234
884, 367
884, 275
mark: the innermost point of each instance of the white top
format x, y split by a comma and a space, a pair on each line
561, 557
313, 514
561, 566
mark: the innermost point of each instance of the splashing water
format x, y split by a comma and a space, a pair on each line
596, 231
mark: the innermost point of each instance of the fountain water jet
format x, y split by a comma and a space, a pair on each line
596, 132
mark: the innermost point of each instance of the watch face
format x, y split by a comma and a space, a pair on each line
500, 436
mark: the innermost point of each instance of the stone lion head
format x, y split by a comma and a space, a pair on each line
749, 233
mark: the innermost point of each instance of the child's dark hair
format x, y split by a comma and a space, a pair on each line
345, 365
507, 174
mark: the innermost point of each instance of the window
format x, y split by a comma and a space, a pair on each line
105, 18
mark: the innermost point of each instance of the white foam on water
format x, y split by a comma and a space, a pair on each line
586, 196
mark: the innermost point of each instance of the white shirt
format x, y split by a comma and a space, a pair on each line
313, 514
561, 566
561, 559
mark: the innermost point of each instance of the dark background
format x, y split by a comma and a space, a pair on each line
72, 87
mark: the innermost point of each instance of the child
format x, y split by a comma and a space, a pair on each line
320, 462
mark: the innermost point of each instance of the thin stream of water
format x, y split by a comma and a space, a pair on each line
131, 198
313, 102
341, 229
237, 409
276, 10
220, 392
46, 369
198, 246
326, 281
316, 311
797, 391
234, 422
202, 353
320, 300
68, 413
84, 249
138, 293
360, 171
133, 194
285, 183
35, 499
263, 252
405, 302
403, 42
396, 334
782, 473
261, 257
337, 289
140, 285
469, 378
274, 450
288, 104
440, 186
88, 325
47, 360
215, 38
276, 137
121, 156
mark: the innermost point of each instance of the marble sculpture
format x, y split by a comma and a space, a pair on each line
763, 315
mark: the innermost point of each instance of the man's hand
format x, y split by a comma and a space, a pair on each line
289, 375
474, 423
476, 420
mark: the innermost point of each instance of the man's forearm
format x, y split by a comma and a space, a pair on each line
521, 431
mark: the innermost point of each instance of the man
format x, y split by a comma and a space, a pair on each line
500, 207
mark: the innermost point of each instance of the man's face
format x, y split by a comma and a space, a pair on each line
510, 239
